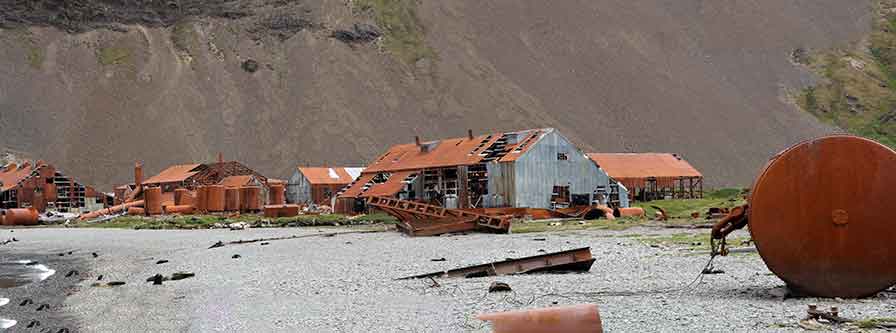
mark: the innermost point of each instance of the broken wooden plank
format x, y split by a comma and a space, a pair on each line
576, 260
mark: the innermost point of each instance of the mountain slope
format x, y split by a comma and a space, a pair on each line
706, 79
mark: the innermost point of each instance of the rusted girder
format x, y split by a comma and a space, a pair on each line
563, 261
419, 219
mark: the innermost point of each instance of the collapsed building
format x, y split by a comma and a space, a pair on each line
319, 185
190, 177
652, 176
536, 168
44, 187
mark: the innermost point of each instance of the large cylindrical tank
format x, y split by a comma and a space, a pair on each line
38, 201
180, 196
820, 217
215, 197
250, 199
20, 216
182, 209
51, 192
277, 195
136, 211
153, 200
232, 199
201, 202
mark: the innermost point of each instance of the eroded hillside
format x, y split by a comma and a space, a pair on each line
265, 82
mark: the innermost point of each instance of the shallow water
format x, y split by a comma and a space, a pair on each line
21, 272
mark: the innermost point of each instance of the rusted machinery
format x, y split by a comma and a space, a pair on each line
819, 216
418, 219
20, 216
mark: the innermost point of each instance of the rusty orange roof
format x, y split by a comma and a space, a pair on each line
330, 176
453, 152
644, 165
236, 181
174, 173
15, 174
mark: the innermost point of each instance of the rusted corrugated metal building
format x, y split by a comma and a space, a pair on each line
189, 176
650, 176
42, 186
319, 185
537, 168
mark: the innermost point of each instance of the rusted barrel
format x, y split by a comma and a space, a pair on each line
277, 196
201, 202
631, 212
136, 211
181, 209
232, 199
215, 197
574, 318
153, 200
20, 216
251, 199
820, 217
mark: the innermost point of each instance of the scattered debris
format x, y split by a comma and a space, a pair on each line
26, 301
331, 234
99, 278
660, 214
163, 261
115, 283
217, 244
236, 256
33, 324
238, 226
573, 318
43, 307
712, 271
418, 219
182, 275
94, 254
498, 286
563, 261
72, 273
438, 259
264, 243
540, 239
156, 279
250, 65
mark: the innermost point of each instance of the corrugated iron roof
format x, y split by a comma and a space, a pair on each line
335, 175
11, 178
454, 152
236, 181
644, 165
174, 173
392, 186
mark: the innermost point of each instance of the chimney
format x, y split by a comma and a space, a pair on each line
220, 157
470, 134
138, 174
417, 140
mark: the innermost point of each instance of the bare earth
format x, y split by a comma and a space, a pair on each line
346, 283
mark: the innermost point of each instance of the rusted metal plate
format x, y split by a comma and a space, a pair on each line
564, 261
578, 318
820, 215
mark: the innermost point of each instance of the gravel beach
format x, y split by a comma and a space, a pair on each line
346, 283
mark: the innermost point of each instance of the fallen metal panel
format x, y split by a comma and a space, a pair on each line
564, 261
418, 219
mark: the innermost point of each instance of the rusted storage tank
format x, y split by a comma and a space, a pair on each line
136, 211
215, 198
232, 199
181, 209
250, 199
38, 202
181, 197
277, 194
20, 216
820, 217
153, 200
201, 202
51, 192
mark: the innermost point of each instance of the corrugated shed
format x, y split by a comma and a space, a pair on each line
174, 173
633, 169
335, 175
453, 152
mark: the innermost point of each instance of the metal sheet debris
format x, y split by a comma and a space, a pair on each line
576, 260
418, 219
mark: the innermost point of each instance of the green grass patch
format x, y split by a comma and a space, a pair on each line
572, 225
688, 241
35, 57
682, 208
873, 323
207, 221
858, 90
113, 55
184, 37
404, 34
